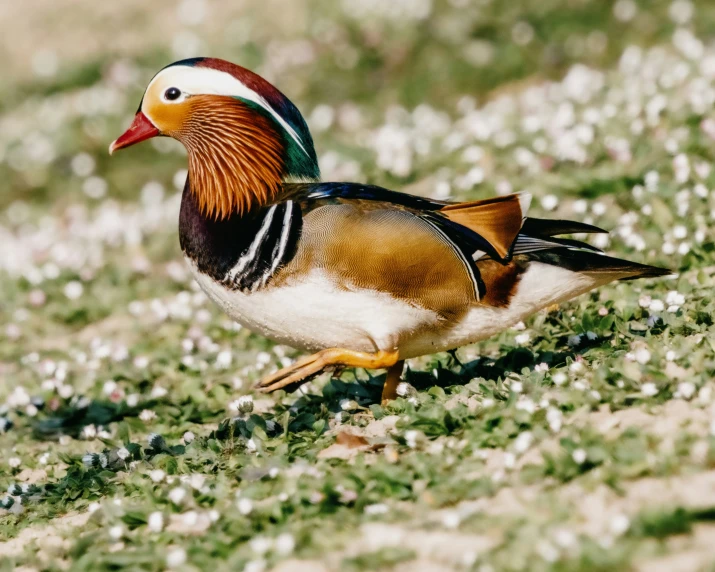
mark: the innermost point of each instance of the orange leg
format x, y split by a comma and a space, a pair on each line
394, 374
307, 367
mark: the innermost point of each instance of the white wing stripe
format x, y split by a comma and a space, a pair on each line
251, 252
285, 235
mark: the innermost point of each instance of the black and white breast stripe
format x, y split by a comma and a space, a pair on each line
272, 246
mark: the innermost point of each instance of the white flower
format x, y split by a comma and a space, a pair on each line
189, 437
554, 418
516, 387
116, 532
89, 432
579, 456
675, 298
348, 404
122, 453
649, 389
576, 367
261, 544
559, 378
157, 475
523, 442
224, 359
176, 557
177, 495
412, 437
509, 460
73, 289
245, 506
197, 481
686, 389
564, 538
541, 367
285, 543
375, 509
549, 202
93, 507
642, 355
155, 522
522, 339
656, 306
157, 392
404, 389
619, 524
147, 415
14, 462
526, 404
451, 519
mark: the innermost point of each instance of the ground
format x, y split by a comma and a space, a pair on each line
582, 439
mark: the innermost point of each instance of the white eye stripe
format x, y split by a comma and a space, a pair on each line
196, 80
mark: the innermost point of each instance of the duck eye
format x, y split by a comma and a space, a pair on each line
172, 93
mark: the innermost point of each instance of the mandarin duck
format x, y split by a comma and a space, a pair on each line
364, 276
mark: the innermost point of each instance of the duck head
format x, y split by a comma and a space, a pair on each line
244, 137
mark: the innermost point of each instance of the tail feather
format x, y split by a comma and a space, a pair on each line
592, 263
547, 227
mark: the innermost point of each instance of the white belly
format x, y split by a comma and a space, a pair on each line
313, 314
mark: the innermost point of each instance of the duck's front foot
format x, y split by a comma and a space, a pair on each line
306, 368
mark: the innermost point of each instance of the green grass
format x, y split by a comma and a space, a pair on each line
581, 442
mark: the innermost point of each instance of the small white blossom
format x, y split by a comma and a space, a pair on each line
619, 524
451, 519
404, 389
522, 339
245, 506
523, 442
116, 532
155, 522
147, 415
376, 509
686, 389
177, 495
642, 355
176, 557
649, 389
285, 544
579, 456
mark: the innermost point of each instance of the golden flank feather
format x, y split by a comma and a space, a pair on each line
498, 220
235, 155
